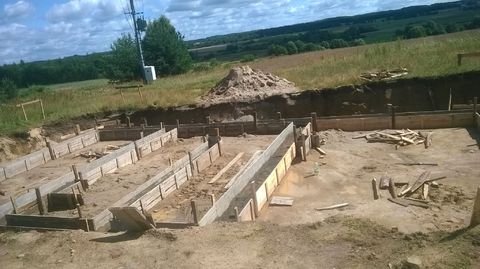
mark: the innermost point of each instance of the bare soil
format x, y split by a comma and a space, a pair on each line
244, 84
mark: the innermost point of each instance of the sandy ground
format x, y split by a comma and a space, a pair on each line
176, 207
350, 165
112, 187
53, 169
360, 236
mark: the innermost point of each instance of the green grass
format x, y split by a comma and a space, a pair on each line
433, 56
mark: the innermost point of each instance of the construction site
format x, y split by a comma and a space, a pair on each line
242, 171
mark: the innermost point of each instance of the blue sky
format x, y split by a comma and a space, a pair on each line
45, 29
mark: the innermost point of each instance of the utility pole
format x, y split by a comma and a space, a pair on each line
137, 38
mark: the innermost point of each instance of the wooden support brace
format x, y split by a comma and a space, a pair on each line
212, 198
40, 204
14, 204
237, 215
375, 189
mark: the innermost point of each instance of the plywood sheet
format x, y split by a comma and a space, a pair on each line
131, 218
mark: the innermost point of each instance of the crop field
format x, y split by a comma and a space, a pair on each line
424, 57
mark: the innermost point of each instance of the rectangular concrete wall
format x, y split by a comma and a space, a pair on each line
155, 141
268, 186
25, 163
124, 156
222, 204
81, 141
411, 120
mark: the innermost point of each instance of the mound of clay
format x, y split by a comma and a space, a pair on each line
244, 84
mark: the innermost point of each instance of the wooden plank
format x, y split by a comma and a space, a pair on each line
332, 207
420, 181
131, 218
42, 221
281, 201
226, 168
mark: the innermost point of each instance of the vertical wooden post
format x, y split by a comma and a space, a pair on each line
450, 100
24, 113
279, 115
375, 189
161, 125
391, 189
41, 106
50, 149
475, 105
79, 210
194, 211
254, 195
304, 149
14, 204
237, 216
476, 210
392, 112
207, 120
178, 126
77, 129
75, 172
145, 123
129, 123
192, 165
140, 94
123, 97
40, 204
255, 118
252, 210
117, 122
314, 121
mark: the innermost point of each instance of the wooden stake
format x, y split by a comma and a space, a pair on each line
24, 113
123, 97
79, 210
374, 188
194, 211
40, 204
254, 195
476, 210
450, 100
129, 123
314, 121
279, 115
255, 117
41, 106
237, 216
391, 188
14, 205
212, 198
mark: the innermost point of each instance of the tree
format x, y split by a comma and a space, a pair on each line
165, 49
291, 48
357, 42
123, 62
414, 31
277, 50
8, 89
300, 45
338, 43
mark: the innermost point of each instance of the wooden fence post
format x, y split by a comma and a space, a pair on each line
314, 121
279, 115
41, 106
77, 129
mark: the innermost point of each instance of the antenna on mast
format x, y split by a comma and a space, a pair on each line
137, 30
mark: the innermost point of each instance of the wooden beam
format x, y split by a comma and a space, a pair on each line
225, 169
475, 220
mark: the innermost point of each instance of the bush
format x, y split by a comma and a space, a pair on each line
357, 42
277, 50
338, 43
291, 48
248, 58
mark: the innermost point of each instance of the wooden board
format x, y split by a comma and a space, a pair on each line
281, 201
42, 221
131, 218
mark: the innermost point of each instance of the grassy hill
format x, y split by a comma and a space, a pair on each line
423, 57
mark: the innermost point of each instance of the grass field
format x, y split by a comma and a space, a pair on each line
432, 56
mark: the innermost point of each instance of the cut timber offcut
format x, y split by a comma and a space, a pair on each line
332, 207
281, 201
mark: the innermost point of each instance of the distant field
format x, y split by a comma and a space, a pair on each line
432, 56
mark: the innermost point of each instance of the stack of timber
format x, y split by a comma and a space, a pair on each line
399, 137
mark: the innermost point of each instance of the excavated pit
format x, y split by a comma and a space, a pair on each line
414, 94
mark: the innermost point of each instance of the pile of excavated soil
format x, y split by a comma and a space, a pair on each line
244, 84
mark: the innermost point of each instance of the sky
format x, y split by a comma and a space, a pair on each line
33, 30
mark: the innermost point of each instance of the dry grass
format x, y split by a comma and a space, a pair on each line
433, 56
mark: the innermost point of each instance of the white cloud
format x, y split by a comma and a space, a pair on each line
17, 11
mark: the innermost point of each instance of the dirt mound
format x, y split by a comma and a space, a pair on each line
244, 84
